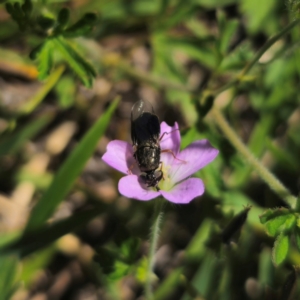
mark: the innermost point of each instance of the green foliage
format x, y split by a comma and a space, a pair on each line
116, 263
297, 237
281, 249
79, 65
63, 18
280, 223
54, 29
257, 13
8, 274
44, 53
194, 57
69, 171
81, 27
278, 220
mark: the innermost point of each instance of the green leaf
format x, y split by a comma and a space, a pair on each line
120, 270
280, 249
272, 213
276, 225
14, 142
278, 220
9, 8
17, 11
129, 249
197, 248
79, 65
8, 275
69, 171
32, 265
297, 237
35, 52
204, 278
45, 56
227, 28
258, 13
82, 27
279, 224
27, 7
63, 17
200, 50
141, 270
168, 286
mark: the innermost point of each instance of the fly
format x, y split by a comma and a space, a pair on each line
145, 133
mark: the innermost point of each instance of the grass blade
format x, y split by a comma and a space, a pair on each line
70, 170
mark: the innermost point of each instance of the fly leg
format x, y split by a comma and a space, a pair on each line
167, 133
160, 169
130, 168
170, 151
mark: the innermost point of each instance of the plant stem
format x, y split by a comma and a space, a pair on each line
157, 220
267, 45
265, 174
43, 91
257, 56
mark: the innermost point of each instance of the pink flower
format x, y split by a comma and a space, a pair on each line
177, 186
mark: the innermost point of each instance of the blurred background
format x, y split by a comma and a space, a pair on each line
183, 57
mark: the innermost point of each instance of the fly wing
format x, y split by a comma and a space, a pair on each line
144, 123
145, 128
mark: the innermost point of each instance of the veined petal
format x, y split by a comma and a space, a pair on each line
130, 186
170, 142
119, 155
185, 191
196, 156
171, 137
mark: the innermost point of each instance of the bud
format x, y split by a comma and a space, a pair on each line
235, 225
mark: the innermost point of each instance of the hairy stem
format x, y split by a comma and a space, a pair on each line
157, 220
264, 173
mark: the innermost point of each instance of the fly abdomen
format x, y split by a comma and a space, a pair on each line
148, 157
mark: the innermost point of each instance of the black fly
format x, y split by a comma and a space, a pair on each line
145, 132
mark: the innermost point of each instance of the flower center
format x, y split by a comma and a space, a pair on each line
165, 184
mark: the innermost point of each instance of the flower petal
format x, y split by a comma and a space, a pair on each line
119, 155
196, 156
130, 186
171, 137
170, 142
185, 191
